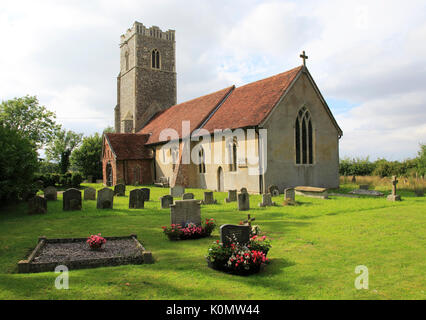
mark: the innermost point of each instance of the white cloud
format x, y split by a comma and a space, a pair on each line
369, 54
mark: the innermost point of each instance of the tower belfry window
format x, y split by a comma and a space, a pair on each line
155, 59
304, 137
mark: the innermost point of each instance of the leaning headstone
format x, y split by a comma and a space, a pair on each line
230, 233
185, 211
105, 199
147, 193
71, 200
90, 194
166, 201
177, 191
137, 199
289, 194
188, 196
120, 190
232, 196
209, 198
394, 196
37, 205
50, 193
273, 190
243, 201
266, 200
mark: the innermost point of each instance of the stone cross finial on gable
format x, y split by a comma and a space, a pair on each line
304, 57
249, 220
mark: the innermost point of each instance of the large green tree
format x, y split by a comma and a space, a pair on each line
421, 160
60, 148
18, 162
28, 118
87, 158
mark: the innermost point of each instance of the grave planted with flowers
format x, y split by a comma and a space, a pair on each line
238, 251
190, 230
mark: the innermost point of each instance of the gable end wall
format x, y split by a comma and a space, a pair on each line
282, 169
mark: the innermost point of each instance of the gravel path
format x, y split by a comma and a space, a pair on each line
56, 252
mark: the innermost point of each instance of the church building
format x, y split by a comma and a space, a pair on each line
275, 131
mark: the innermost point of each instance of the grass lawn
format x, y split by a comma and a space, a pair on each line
316, 247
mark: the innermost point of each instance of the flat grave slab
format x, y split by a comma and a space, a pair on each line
312, 192
362, 192
75, 253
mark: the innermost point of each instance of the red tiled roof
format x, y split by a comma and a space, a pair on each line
129, 146
196, 111
250, 104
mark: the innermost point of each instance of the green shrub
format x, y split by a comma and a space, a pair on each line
64, 181
76, 179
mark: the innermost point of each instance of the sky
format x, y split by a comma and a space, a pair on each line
367, 57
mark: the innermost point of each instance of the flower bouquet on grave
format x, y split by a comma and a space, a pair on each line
262, 244
96, 242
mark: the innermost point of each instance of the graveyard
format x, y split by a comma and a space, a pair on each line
316, 246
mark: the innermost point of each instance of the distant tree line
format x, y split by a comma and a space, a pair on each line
26, 127
384, 168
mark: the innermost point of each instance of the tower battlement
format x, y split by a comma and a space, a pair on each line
154, 32
146, 83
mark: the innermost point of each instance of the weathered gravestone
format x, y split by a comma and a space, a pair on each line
90, 194
50, 193
289, 194
266, 200
363, 186
147, 193
71, 200
353, 179
188, 196
243, 201
177, 191
166, 201
120, 190
273, 190
37, 205
243, 190
230, 233
232, 196
394, 196
185, 211
105, 199
209, 198
137, 199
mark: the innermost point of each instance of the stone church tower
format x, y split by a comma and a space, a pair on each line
146, 83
